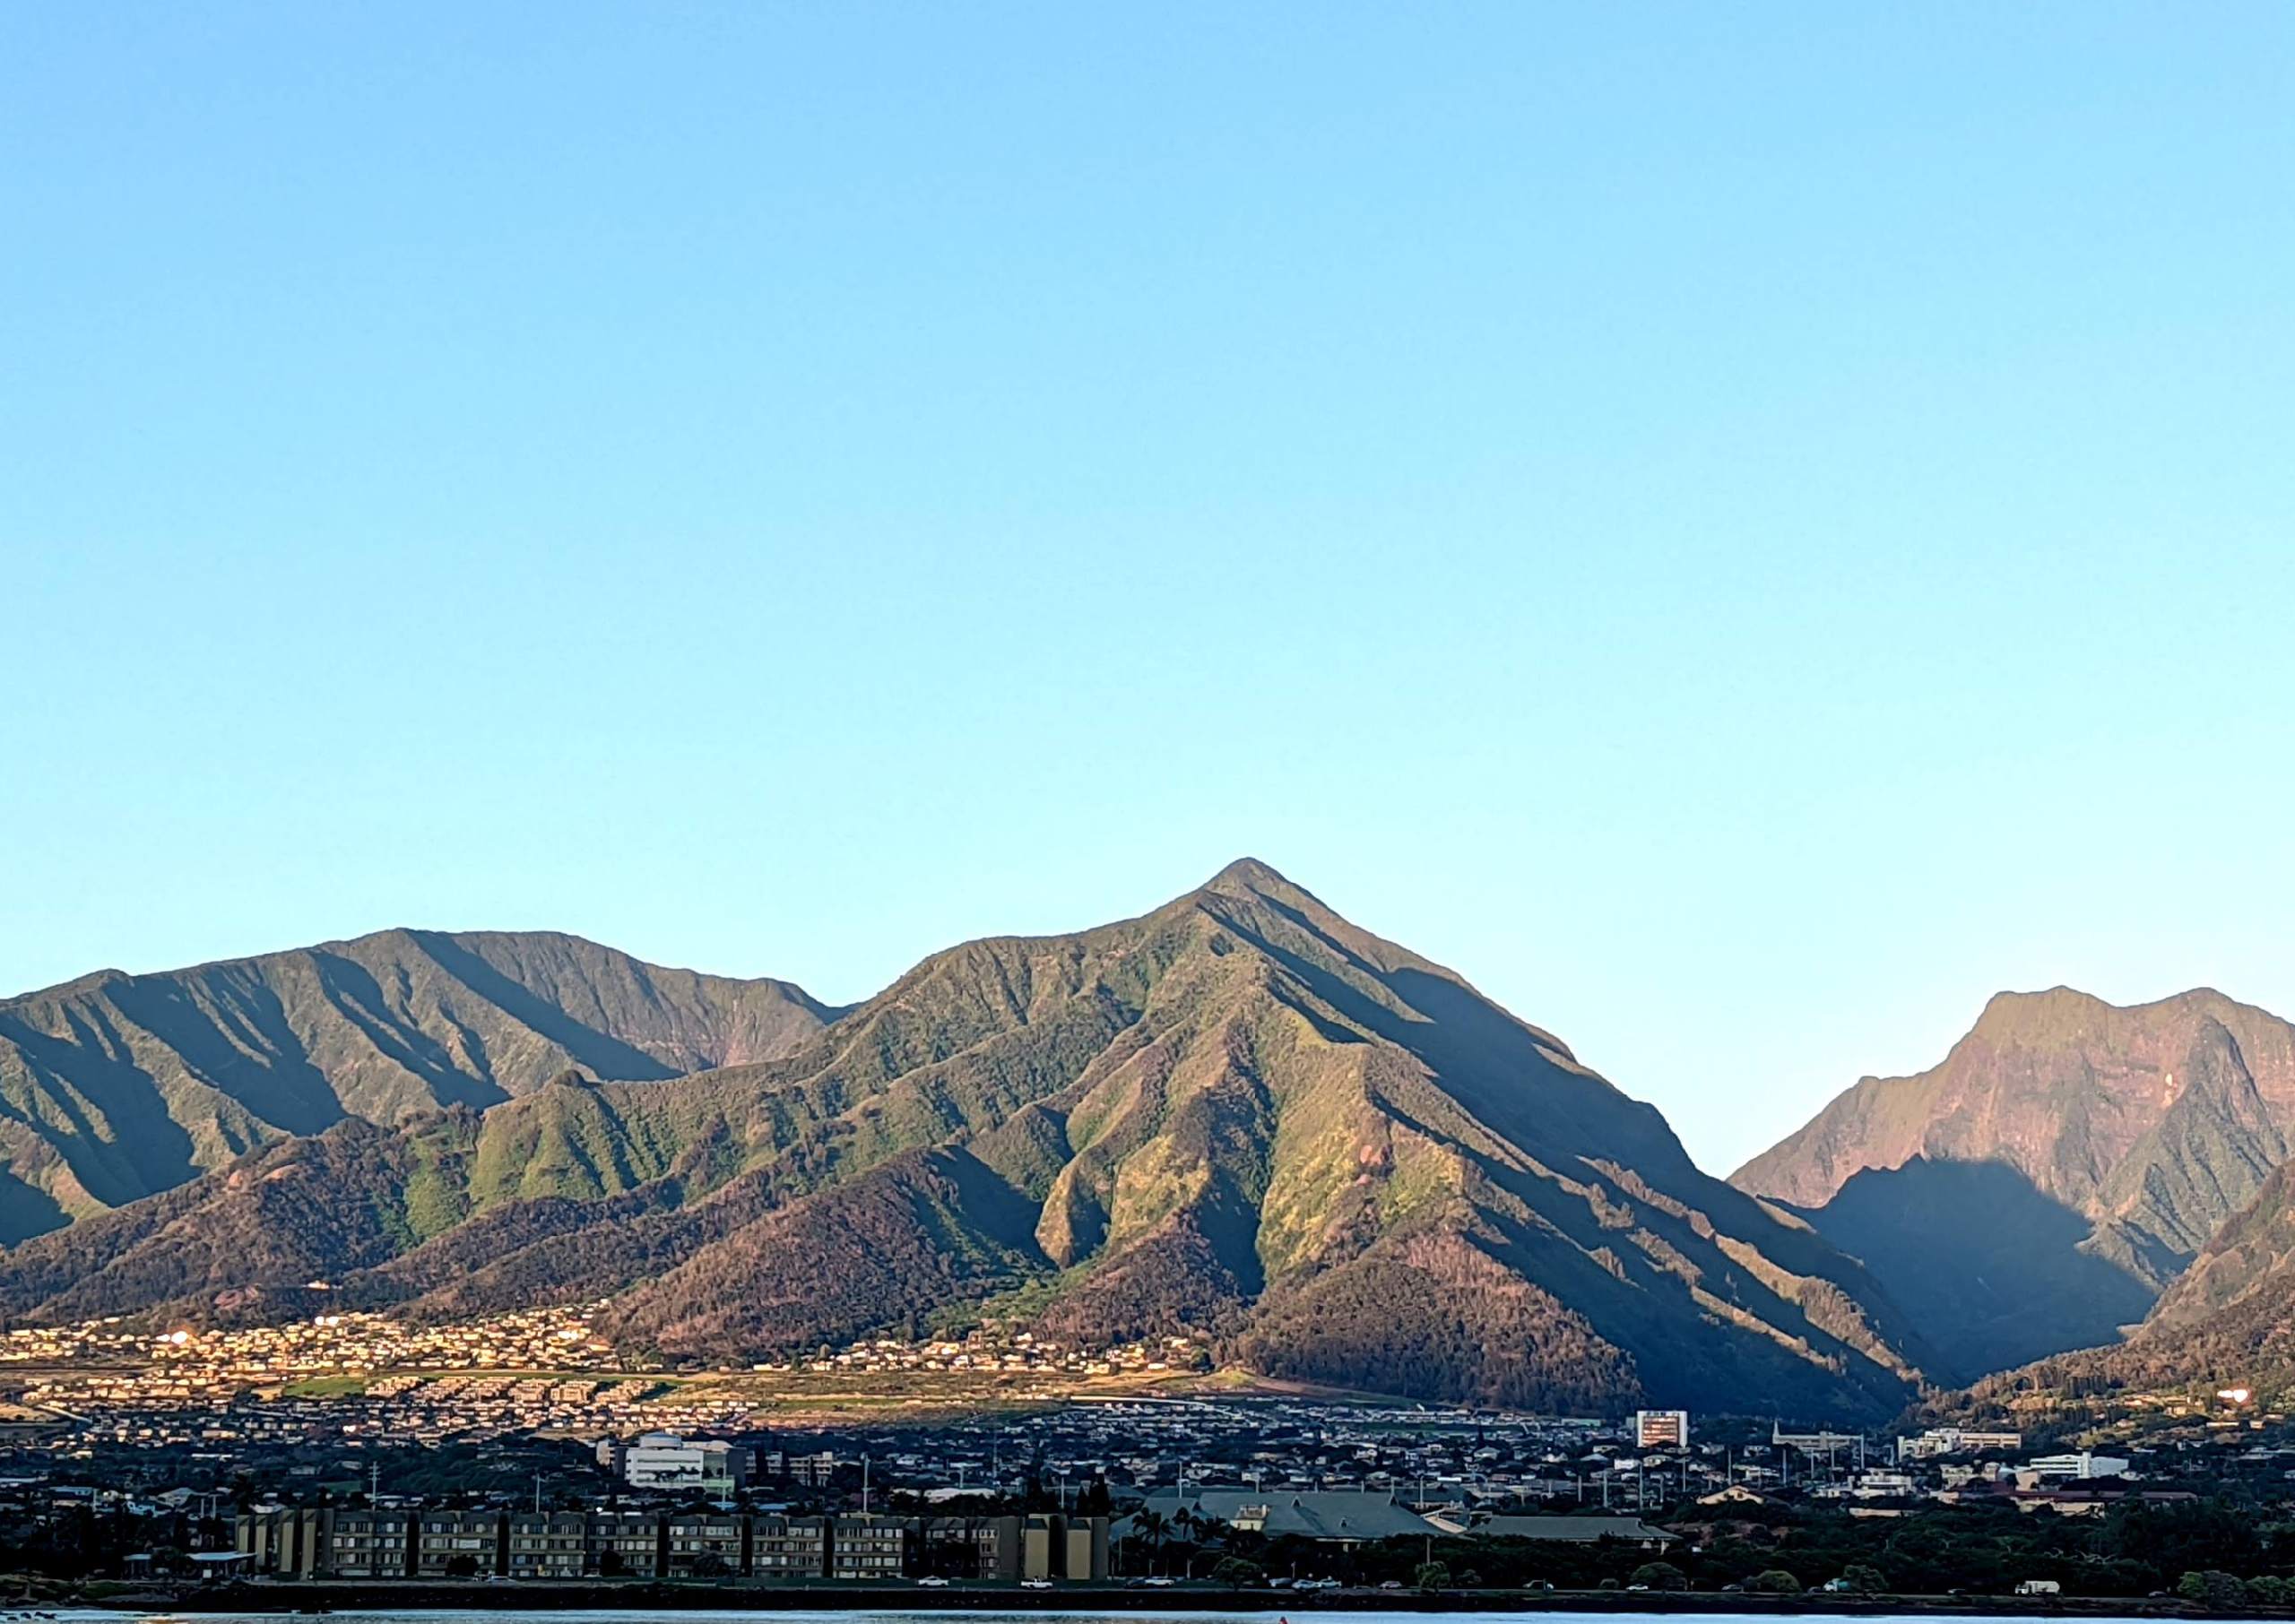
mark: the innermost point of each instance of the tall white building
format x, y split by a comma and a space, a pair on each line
666, 1461
2082, 1466
1661, 1428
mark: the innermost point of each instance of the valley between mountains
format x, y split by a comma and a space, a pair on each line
1238, 1115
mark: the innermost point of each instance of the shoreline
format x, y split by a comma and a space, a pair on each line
311, 1597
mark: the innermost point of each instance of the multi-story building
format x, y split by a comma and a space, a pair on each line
457, 1544
626, 1544
706, 1546
813, 1470
550, 1545
286, 1541
867, 1547
966, 1547
1057, 1546
666, 1461
788, 1547
440, 1545
2082, 1466
1954, 1440
367, 1544
1661, 1428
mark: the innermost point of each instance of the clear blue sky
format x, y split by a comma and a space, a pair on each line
1744, 528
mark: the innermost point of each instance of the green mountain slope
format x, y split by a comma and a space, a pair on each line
1239, 1113
2116, 1140
115, 1087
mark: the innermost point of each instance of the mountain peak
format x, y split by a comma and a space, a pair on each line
1248, 877
1249, 874
2011, 1010
2061, 1014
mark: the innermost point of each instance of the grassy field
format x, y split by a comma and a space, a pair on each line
326, 1386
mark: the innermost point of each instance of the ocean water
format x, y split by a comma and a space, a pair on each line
1035, 1615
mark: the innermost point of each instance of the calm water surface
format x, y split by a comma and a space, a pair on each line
942, 1615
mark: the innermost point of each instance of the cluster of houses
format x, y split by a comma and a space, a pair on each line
1019, 1353
1953, 1466
555, 1339
354, 1374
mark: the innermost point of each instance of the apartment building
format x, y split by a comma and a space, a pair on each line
813, 1470
358, 1542
788, 1547
1059, 1547
626, 1544
286, 1541
367, 1544
457, 1544
867, 1547
966, 1547
707, 1546
550, 1545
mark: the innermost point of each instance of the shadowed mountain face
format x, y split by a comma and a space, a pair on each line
2247, 1266
1238, 1114
115, 1087
1995, 1272
2149, 1126
2229, 1321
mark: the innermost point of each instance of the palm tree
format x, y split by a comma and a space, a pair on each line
1193, 1527
1153, 1526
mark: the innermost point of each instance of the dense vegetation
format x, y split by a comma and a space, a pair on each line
2132, 1552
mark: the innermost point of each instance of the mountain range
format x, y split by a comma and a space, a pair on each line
114, 1087
2068, 1161
1238, 1114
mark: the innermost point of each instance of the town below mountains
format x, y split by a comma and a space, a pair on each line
1238, 1124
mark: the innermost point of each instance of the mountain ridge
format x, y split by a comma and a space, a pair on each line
1237, 1113
2117, 1140
114, 1086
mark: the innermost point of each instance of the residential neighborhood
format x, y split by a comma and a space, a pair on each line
351, 1447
